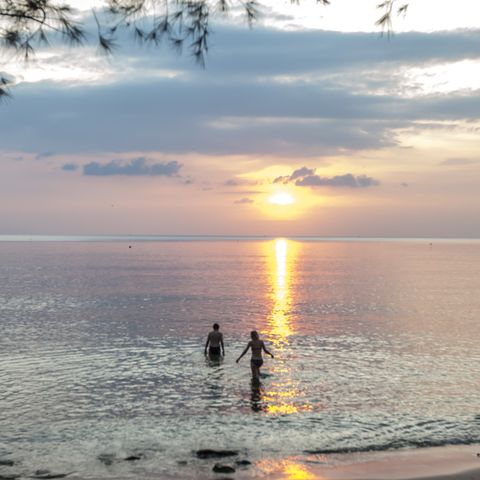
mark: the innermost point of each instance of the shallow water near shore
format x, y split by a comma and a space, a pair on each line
376, 348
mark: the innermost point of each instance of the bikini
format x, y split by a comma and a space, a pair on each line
256, 362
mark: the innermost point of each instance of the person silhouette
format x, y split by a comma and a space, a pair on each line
256, 361
214, 342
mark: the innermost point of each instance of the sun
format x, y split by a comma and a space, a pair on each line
282, 198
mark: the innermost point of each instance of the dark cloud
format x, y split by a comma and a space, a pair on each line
306, 177
404, 184
264, 51
70, 167
244, 201
282, 179
136, 167
301, 172
347, 180
238, 105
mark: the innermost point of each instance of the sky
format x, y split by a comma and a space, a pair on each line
309, 123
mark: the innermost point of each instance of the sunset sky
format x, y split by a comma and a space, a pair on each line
311, 123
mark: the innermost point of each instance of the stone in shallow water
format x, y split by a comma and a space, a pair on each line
106, 458
10, 476
47, 475
217, 468
133, 458
208, 453
243, 462
7, 463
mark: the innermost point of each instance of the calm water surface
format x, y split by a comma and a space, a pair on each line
376, 347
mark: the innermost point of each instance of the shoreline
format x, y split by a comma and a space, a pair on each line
451, 462
433, 463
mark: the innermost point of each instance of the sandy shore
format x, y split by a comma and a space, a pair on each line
441, 463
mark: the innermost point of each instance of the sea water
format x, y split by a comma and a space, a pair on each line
376, 347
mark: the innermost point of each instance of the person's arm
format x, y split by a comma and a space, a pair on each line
244, 352
206, 345
221, 343
265, 349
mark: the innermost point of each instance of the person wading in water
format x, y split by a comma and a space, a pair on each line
215, 341
256, 361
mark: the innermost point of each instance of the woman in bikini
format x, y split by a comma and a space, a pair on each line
256, 361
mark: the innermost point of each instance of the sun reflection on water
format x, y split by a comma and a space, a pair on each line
283, 395
281, 269
295, 471
287, 469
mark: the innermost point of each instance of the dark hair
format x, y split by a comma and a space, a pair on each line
216, 326
254, 335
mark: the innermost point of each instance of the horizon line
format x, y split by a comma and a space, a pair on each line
219, 237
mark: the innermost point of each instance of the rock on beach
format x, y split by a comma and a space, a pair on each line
218, 468
208, 453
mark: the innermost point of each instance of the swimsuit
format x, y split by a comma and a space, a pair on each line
214, 351
256, 362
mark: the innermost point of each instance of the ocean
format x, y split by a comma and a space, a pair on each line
102, 370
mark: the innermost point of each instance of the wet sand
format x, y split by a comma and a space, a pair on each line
440, 463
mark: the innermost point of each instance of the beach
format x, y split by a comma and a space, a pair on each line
440, 463
239, 240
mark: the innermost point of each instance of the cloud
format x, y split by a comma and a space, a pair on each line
231, 183
296, 103
244, 201
136, 167
43, 155
306, 177
237, 182
70, 167
347, 180
459, 161
243, 192
299, 173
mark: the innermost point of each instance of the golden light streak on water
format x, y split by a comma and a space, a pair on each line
281, 271
285, 408
287, 469
282, 395
295, 471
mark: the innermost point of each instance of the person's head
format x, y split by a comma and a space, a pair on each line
216, 326
254, 335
